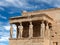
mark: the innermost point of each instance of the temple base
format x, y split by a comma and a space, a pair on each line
32, 41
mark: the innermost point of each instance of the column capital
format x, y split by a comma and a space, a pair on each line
31, 25
20, 23
30, 22
42, 21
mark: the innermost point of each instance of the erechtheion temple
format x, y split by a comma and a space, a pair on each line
36, 28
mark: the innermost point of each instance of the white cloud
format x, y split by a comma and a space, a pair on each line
23, 4
14, 27
13, 2
2, 44
14, 34
5, 26
55, 3
4, 38
8, 27
3, 17
5, 35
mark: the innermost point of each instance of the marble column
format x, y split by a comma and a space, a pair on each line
20, 30
11, 31
30, 30
42, 29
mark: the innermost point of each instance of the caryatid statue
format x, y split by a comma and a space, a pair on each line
11, 31
30, 30
20, 30
42, 29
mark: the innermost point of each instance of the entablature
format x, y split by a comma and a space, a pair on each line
31, 18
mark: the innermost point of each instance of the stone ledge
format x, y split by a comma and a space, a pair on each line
25, 38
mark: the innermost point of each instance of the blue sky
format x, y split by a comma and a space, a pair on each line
11, 8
